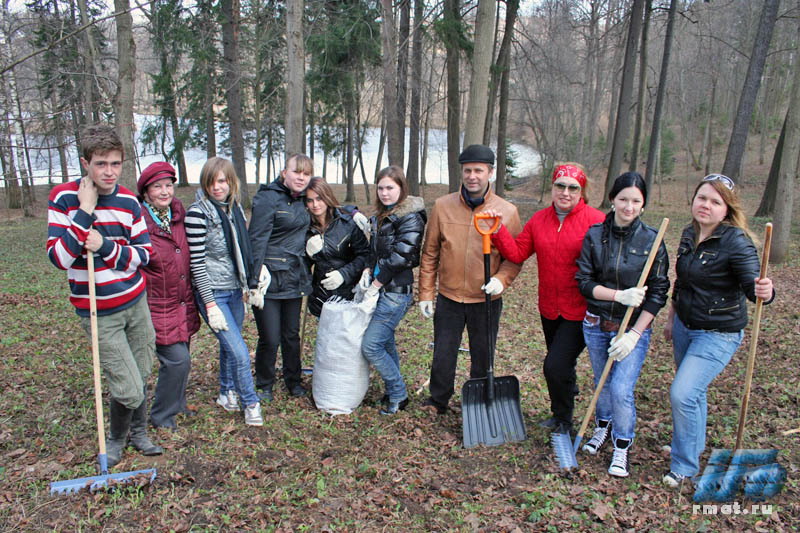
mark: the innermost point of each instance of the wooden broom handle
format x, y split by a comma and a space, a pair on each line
751, 358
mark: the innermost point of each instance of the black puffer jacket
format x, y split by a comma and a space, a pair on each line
395, 245
714, 278
278, 226
345, 248
614, 257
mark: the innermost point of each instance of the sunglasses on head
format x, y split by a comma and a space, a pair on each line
725, 180
561, 187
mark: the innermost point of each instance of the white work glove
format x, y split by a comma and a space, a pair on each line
362, 222
333, 280
256, 296
365, 280
493, 288
370, 301
426, 308
216, 319
632, 297
623, 345
314, 245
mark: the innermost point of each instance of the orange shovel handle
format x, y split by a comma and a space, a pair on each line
487, 233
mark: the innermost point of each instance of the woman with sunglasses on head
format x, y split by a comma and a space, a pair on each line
555, 234
717, 270
336, 245
612, 260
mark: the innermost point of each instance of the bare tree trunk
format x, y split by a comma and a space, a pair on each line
655, 135
625, 97
412, 171
348, 166
788, 173
504, 61
126, 84
494, 79
230, 54
642, 93
295, 86
708, 146
404, 8
394, 127
481, 66
766, 207
452, 17
741, 124
381, 144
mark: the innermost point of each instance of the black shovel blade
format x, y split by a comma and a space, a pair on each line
494, 422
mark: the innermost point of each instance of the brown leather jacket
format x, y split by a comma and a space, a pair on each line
453, 250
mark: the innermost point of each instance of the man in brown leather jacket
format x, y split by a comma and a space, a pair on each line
452, 252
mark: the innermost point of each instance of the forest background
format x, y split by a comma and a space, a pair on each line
674, 89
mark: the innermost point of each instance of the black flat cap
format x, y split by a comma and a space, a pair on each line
477, 153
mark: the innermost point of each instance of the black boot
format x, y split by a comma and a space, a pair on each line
138, 437
119, 426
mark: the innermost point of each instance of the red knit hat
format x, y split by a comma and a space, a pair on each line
154, 172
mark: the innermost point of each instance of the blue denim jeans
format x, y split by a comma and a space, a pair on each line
700, 355
234, 357
616, 401
378, 344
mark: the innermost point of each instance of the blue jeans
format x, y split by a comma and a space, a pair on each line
700, 355
378, 344
234, 357
616, 401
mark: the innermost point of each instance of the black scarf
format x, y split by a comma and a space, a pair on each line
242, 237
473, 202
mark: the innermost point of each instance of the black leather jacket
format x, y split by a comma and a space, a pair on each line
714, 278
395, 245
614, 257
344, 248
278, 226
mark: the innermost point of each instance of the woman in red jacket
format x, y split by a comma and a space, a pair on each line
555, 234
169, 291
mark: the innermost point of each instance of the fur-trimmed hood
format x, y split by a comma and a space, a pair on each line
411, 204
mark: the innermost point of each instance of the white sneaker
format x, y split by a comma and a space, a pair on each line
599, 437
673, 479
229, 401
252, 415
619, 461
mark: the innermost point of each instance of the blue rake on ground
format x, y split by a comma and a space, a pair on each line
563, 446
104, 479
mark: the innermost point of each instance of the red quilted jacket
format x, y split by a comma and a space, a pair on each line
557, 247
169, 280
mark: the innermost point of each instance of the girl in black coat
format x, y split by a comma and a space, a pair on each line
336, 245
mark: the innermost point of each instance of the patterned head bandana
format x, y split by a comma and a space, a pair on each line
570, 171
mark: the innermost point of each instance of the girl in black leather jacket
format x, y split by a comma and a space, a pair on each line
336, 245
612, 259
717, 269
397, 230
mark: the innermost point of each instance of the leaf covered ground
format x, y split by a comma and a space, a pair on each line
307, 471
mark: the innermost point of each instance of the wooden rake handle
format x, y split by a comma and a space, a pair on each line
651, 257
751, 358
98, 391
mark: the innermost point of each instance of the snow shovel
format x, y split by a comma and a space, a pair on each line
564, 448
105, 479
490, 409
719, 479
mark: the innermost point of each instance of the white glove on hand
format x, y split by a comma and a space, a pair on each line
370, 301
333, 280
426, 308
622, 346
314, 245
632, 297
365, 280
216, 319
493, 288
362, 222
255, 298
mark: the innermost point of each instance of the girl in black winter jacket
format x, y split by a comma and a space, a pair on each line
336, 245
397, 231
278, 226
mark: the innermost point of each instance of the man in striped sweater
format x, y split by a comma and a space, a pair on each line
97, 214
